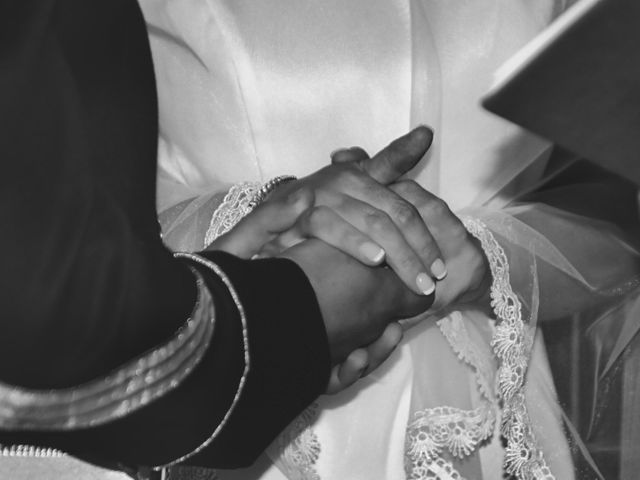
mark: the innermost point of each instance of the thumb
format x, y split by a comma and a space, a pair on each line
399, 156
264, 224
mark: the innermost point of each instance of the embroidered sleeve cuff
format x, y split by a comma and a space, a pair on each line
215, 394
125, 390
290, 361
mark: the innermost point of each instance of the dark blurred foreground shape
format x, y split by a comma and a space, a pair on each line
579, 87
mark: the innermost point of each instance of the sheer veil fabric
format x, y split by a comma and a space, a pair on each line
251, 90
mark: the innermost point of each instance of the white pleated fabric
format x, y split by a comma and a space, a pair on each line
250, 90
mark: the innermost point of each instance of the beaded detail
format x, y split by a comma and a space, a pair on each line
30, 451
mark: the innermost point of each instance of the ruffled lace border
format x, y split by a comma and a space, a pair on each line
523, 458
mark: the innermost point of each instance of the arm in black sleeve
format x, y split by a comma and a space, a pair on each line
88, 285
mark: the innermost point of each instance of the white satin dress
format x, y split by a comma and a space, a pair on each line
254, 89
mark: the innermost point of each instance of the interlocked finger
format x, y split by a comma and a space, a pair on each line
397, 226
344, 155
325, 224
399, 156
363, 361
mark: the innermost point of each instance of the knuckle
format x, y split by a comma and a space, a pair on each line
429, 250
342, 204
319, 216
439, 207
301, 197
376, 220
404, 213
348, 174
413, 192
372, 189
408, 187
315, 219
407, 263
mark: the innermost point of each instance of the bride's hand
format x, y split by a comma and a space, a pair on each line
355, 212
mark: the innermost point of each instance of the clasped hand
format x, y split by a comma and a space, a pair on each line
345, 222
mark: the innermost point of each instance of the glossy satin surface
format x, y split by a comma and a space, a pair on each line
250, 90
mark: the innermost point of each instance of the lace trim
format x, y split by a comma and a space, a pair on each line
298, 447
130, 387
458, 431
438, 469
454, 330
237, 203
523, 458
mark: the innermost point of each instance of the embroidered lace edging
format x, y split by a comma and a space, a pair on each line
523, 457
298, 447
438, 469
459, 431
237, 203
453, 329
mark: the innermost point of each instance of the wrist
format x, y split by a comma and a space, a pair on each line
479, 292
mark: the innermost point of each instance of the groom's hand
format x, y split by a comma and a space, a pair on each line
357, 302
468, 275
466, 264
355, 212
363, 361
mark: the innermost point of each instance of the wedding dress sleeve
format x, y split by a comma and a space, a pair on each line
113, 349
565, 250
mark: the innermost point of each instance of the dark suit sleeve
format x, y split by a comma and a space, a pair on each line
88, 285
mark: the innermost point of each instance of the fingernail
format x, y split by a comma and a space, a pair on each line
425, 284
337, 151
424, 126
438, 269
372, 251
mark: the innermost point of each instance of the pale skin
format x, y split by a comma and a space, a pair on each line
334, 223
